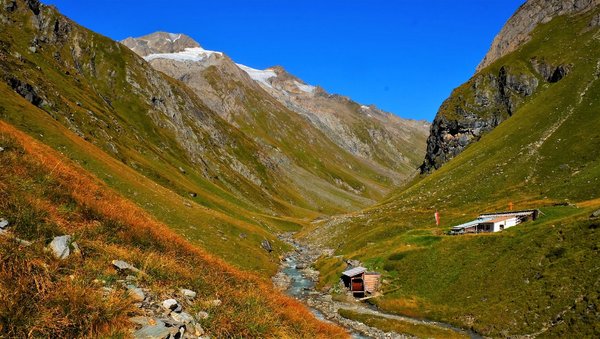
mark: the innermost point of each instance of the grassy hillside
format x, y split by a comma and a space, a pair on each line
540, 277
149, 137
43, 194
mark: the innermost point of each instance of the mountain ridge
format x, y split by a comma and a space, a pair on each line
344, 122
493, 94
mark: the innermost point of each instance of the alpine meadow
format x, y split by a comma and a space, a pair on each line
153, 188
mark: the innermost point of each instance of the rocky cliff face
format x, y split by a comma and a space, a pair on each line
517, 29
500, 87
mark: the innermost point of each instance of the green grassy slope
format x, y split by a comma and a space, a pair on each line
542, 276
98, 109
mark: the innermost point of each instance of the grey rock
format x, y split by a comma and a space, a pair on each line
60, 246
32, 49
124, 266
188, 293
136, 293
26, 91
3, 223
596, 214
460, 123
172, 305
1, 149
154, 328
266, 244
183, 317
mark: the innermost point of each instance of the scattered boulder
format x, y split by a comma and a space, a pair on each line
60, 246
266, 244
136, 293
202, 315
124, 266
183, 317
152, 328
1, 149
26, 91
172, 305
3, 223
193, 194
182, 170
596, 214
188, 293
216, 302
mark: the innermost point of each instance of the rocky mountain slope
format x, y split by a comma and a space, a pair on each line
388, 145
495, 93
517, 29
536, 279
237, 184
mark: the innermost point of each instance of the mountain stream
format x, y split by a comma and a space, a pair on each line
297, 278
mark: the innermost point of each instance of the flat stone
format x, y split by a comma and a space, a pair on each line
157, 330
183, 317
171, 305
123, 265
596, 214
136, 293
188, 293
3, 223
60, 246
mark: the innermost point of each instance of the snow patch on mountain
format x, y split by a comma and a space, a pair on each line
174, 37
304, 87
259, 75
189, 54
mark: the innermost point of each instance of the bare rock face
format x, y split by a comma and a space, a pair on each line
493, 95
473, 110
516, 31
160, 42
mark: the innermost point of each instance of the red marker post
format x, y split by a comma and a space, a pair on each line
437, 218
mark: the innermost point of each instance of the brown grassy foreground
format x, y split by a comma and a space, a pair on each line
43, 195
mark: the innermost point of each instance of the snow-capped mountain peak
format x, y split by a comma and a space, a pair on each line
188, 54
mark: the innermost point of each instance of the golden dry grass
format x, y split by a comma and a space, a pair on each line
43, 194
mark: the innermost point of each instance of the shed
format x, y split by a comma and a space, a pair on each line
372, 280
498, 224
354, 279
468, 227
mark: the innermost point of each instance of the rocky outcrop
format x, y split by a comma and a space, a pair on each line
495, 93
160, 42
474, 109
516, 30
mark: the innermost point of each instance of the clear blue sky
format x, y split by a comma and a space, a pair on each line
404, 56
